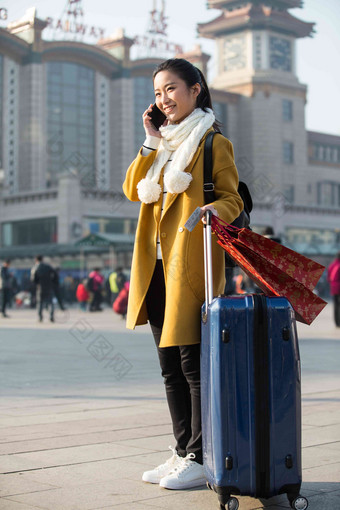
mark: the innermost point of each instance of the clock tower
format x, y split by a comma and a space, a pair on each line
255, 42
256, 54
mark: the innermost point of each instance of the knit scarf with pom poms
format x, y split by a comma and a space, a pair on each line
184, 139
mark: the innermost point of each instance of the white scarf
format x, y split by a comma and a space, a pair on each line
184, 139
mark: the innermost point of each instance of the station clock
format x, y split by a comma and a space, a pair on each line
280, 53
235, 53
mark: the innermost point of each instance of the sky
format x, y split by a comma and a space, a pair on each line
318, 57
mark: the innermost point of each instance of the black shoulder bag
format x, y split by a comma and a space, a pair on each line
243, 220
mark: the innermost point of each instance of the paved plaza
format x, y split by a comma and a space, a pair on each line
83, 414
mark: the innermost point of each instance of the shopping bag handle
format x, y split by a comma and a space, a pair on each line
218, 221
221, 229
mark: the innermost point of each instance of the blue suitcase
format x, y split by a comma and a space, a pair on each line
251, 396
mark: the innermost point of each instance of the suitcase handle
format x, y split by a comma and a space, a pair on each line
208, 274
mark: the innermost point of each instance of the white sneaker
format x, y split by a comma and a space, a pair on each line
155, 475
186, 475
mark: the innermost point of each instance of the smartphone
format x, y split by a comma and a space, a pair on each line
157, 117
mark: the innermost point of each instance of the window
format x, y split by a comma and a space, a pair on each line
300, 235
328, 193
93, 227
288, 153
70, 119
38, 231
328, 154
323, 152
258, 52
110, 225
287, 110
289, 193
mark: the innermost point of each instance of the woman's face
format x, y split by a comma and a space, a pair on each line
173, 97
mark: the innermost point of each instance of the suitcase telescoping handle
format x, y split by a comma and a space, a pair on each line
208, 275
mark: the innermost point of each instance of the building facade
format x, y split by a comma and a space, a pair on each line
70, 119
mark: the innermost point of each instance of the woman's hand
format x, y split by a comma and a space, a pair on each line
206, 208
150, 129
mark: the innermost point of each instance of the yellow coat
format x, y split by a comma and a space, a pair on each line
182, 251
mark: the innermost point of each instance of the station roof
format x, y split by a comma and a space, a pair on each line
324, 138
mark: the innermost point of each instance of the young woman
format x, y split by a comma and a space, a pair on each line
167, 275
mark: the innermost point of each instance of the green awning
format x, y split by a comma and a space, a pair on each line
92, 243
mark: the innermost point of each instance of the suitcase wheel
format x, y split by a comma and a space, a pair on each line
232, 504
299, 503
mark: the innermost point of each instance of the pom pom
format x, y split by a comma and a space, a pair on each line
177, 182
148, 191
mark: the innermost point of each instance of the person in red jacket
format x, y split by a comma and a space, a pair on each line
95, 285
333, 276
121, 302
82, 295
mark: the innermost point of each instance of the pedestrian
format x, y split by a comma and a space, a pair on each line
82, 295
120, 304
42, 275
5, 285
56, 287
107, 291
121, 278
114, 291
117, 280
14, 286
68, 285
95, 285
33, 293
333, 277
167, 282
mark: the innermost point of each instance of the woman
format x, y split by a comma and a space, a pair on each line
167, 276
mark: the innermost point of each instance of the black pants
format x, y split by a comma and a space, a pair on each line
57, 293
180, 367
45, 300
337, 309
6, 297
96, 301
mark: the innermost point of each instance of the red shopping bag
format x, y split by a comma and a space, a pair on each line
277, 270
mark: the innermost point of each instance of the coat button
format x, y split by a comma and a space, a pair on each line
163, 234
180, 229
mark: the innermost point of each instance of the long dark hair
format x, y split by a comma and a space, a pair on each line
191, 75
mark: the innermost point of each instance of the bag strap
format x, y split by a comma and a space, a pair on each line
208, 185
